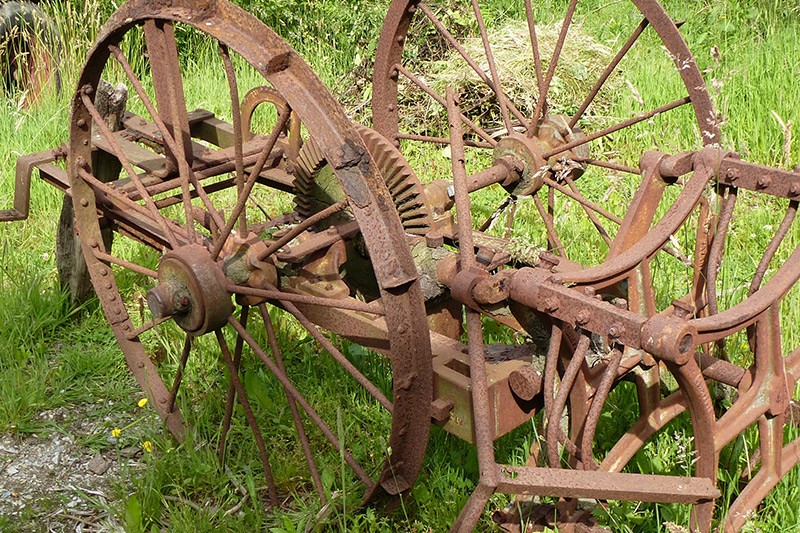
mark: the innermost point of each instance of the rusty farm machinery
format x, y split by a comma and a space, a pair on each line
323, 221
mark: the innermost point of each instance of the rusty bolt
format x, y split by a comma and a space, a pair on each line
525, 383
81, 123
550, 305
794, 189
616, 331
589, 291
84, 202
620, 303
434, 239
583, 317
764, 181
441, 409
682, 309
548, 260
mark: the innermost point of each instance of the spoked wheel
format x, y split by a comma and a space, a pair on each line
550, 140
553, 158
199, 202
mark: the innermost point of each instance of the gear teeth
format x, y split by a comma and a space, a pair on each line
407, 192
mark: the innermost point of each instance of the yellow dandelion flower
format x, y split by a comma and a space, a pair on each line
142, 402
115, 432
147, 446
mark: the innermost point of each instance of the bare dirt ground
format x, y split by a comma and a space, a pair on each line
54, 481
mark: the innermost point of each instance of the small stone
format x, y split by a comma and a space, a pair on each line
12, 470
98, 465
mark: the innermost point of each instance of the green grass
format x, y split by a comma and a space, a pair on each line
55, 355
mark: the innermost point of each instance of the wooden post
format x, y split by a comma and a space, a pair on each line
72, 272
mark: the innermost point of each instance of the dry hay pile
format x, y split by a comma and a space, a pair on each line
581, 62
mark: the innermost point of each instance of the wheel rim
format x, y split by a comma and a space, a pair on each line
367, 197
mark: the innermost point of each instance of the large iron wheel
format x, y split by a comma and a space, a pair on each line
195, 206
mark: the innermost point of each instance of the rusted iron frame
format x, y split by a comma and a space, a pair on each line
233, 375
187, 174
298, 422
22, 182
126, 164
481, 412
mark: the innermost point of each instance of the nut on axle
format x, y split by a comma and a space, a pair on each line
191, 290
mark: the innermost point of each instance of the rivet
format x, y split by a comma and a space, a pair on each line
582, 318
84, 202
162, 400
104, 271
140, 364
86, 142
794, 189
93, 243
764, 182
401, 328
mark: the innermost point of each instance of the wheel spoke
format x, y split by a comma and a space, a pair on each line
186, 173
298, 422
470, 61
430, 92
552, 234
622, 125
487, 48
350, 304
176, 383
236, 112
589, 213
165, 68
233, 373
441, 140
230, 396
301, 401
773, 246
537, 59
108, 258
241, 201
607, 72
544, 88
108, 135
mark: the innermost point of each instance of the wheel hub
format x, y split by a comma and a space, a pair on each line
552, 134
191, 290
